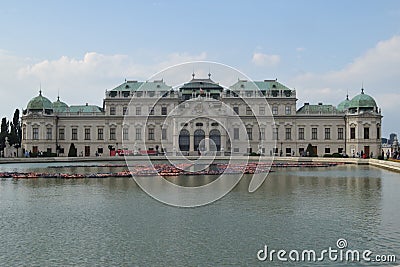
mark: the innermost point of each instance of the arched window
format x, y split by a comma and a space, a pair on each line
215, 135
198, 136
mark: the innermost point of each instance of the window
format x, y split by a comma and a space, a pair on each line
340, 133
275, 134
87, 133
112, 110
35, 133
288, 151
24, 133
352, 133
378, 132
61, 134
164, 134
274, 110
301, 133
49, 133
248, 111
288, 133
236, 133
236, 150
100, 134
100, 150
249, 131
314, 133
125, 134
262, 133
366, 132
327, 150
151, 134
164, 111
138, 110
327, 133
288, 110
74, 135
138, 134
151, 110
236, 110
112, 134
261, 110
340, 150
249, 94
125, 111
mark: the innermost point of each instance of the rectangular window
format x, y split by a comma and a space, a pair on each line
327, 150
288, 110
288, 151
274, 110
248, 111
314, 133
288, 133
100, 134
87, 133
164, 111
262, 110
301, 133
112, 134
100, 150
327, 133
35, 133
249, 133
125, 133
74, 135
151, 110
61, 134
262, 133
138, 110
236, 110
151, 133
24, 133
138, 134
340, 150
236, 133
236, 150
340, 133
49, 133
112, 110
125, 111
275, 134
378, 132
164, 134
366, 132
352, 133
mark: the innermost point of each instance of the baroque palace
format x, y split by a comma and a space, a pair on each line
264, 119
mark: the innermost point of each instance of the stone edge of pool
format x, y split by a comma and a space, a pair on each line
390, 165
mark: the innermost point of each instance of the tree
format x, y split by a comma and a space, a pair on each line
3, 133
15, 135
310, 151
72, 151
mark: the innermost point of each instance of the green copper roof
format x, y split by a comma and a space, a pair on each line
362, 101
262, 85
39, 103
317, 109
59, 106
204, 84
128, 86
158, 85
84, 109
344, 104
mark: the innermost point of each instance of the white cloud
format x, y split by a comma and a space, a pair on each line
79, 80
377, 69
261, 59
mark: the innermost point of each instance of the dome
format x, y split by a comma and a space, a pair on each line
362, 101
59, 106
39, 103
343, 106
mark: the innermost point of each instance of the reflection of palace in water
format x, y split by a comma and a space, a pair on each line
201, 115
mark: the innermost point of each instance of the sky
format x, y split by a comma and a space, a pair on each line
79, 49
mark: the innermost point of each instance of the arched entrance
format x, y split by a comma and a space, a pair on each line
184, 140
198, 136
215, 135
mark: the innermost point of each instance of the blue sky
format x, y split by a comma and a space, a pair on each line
81, 48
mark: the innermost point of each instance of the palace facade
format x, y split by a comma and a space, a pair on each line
261, 116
